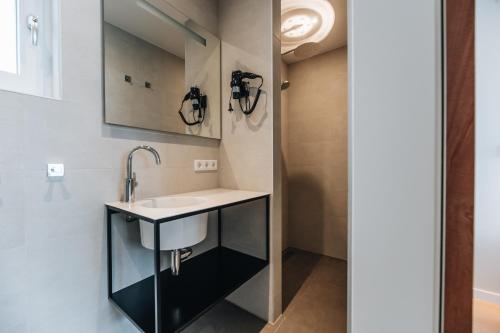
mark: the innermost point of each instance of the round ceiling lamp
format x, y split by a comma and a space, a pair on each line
305, 21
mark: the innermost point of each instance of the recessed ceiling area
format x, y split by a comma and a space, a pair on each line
319, 25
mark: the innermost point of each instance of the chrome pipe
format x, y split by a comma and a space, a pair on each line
177, 257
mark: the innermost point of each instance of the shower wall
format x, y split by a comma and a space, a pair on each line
316, 161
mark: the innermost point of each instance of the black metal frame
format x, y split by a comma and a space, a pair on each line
158, 287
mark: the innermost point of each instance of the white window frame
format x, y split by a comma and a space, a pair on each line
38, 67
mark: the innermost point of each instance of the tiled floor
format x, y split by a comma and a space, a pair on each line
314, 295
486, 317
227, 318
314, 301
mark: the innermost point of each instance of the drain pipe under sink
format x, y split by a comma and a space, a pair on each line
178, 256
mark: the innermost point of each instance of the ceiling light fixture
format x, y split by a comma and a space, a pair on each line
299, 25
305, 21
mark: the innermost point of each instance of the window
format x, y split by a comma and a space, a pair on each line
29, 40
8, 36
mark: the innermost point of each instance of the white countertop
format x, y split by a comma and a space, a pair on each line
211, 199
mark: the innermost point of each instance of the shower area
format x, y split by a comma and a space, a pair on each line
314, 158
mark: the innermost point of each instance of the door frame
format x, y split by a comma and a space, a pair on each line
458, 248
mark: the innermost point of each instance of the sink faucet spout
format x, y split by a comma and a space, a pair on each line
130, 181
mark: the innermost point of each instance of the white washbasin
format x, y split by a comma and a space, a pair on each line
177, 234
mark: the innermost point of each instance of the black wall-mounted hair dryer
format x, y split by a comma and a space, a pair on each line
240, 89
199, 103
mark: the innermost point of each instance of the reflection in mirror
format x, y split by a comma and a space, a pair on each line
161, 69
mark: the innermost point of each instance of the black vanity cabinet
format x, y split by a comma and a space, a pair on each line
163, 303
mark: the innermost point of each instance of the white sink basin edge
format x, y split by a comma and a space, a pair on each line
176, 234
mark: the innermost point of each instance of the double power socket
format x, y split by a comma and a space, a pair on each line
205, 165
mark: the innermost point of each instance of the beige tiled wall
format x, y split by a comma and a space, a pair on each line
317, 154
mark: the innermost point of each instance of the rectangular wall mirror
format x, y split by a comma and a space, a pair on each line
161, 69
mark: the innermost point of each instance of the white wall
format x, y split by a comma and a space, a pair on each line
395, 120
52, 234
487, 201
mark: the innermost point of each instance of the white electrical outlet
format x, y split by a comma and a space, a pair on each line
205, 165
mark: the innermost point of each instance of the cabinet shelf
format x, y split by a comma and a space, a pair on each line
204, 280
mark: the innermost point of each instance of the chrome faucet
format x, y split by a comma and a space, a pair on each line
130, 181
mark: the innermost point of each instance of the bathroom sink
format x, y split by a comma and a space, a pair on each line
176, 234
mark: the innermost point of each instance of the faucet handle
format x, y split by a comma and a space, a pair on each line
134, 180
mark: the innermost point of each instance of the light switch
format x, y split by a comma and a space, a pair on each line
55, 170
